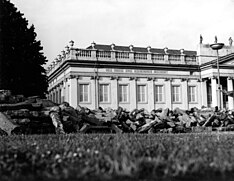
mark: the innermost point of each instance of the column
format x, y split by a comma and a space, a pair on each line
230, 88
114, 93
184, 95
203, 92
168, 93
133, 93
151, 95
73, 99
65, 90
214, 92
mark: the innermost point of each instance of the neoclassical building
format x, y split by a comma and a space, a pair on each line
142, 77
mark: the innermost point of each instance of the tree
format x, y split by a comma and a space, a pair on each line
21, 59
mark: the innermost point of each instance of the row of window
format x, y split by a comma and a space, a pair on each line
124, 94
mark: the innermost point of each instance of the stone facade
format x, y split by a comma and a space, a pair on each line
135, 77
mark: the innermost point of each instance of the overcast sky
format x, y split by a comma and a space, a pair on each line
174, 24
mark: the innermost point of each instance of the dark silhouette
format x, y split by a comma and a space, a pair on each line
21, 59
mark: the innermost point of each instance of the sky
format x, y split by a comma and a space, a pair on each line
175, 24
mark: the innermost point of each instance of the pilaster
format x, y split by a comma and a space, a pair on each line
63, 91
184, 85
133, 93
203, 95
149, 57
166, 58
131, 56
113, 56
151, 95
114, 93
94, 54
73, 92
168, 93
94, 93
72, 54
182, 58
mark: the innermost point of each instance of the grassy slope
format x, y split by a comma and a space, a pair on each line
125, 156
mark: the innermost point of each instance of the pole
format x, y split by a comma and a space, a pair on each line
216, 46
219, 88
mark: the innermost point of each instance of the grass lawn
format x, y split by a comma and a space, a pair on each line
203, 156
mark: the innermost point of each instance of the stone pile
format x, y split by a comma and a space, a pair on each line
160, 120
19, 115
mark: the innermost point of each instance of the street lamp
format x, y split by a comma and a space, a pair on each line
217, 46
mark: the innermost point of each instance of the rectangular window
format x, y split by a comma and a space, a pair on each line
84, 92
209, 94
141, 93
123, 93
104, 93
176, 93
159, 93
192, 94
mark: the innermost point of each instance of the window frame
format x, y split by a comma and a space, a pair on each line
127, 93
88, 94
146, 93
163, 93
108, 93
179, 94
195, 94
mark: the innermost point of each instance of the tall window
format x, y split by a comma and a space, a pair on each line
84, 92
59, 96
209, 94
104, 93
176, 93
159, 93
123, 93
192, 94
141, 93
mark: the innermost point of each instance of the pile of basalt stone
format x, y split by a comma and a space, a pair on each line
33, 115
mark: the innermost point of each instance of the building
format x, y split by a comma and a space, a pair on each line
136, 77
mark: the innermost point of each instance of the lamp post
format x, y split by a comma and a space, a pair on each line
217, 46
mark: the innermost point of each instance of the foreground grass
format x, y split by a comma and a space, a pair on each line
208, 156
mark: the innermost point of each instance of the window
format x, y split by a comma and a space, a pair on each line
159, 93
209, 94
84, 92
192, 94
59, 97
123, 93
176, 93
104, 93
141, 93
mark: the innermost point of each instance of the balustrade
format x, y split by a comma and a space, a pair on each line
157, 57
84, 53
122, 55
174, 58
190, 58
92, 54
103, 54
140, 56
